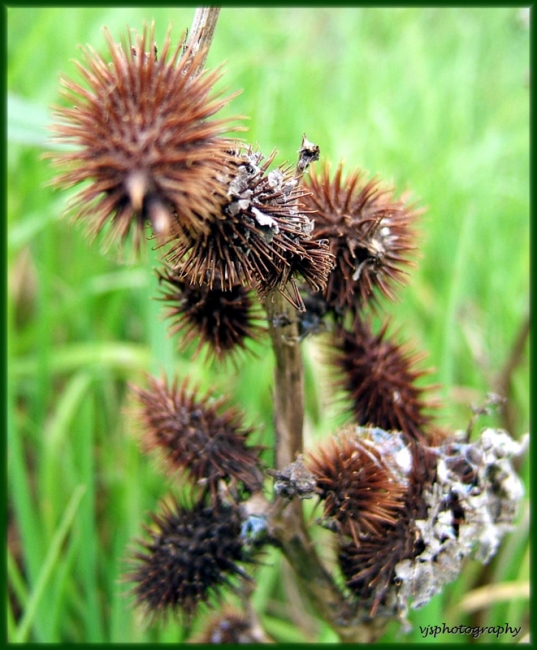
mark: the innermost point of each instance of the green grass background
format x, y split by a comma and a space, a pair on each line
434, 100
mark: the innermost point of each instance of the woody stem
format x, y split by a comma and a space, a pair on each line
202, 32
286, 521
288, 379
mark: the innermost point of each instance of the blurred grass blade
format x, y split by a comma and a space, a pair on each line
58, 427
61, 592
484, 597
55, 442
118, 355
16, 580
25, 512
22, 232
455, 298
119, 281
26, 122
88, 559
51, 562
266, 577
10, 619
282, 631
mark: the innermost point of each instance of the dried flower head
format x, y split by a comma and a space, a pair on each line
199, 437
231, 626
369, 232
222, 320
460, 499
143, 139
380, 378
190, 555
260, 239
362, 492
369, 566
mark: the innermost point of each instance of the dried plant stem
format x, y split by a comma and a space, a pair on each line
288, 379
288, 527
286, 518
202, 32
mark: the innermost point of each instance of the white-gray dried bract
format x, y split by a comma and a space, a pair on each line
472, 505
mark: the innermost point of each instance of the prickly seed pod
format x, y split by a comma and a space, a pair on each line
460, 499
231, 626
311, 261
369, 566
361, 491
380, 378
221, 320
369, 232
261, 239
188, 556
143, 139
198, 437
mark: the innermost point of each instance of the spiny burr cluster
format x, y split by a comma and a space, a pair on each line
260, 238
360, 491
202, 438
370, 233
146, 142
380, 378
194, 549
382, 484
406, 502
408, 515
369, 566
191, 553
221, 321
232, 626
143, 139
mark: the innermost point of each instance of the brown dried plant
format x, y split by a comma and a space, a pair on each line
370, 233
145, 143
